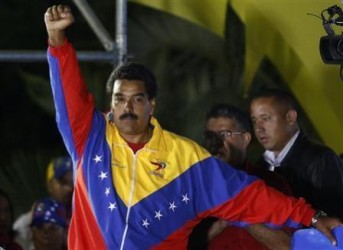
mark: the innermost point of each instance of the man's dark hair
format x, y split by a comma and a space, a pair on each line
280, 96
135, 71
231, 112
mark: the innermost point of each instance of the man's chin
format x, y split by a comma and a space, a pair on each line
130, 131
127, 127
265, 144
268, 147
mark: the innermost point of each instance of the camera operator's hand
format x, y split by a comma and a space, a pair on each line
57, 18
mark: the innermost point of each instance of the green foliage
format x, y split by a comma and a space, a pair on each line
39, 90
23, 178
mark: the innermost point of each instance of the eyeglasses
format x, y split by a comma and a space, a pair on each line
224, 134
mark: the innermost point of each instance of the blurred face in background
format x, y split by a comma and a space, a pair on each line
48, 236
62, 189
235, 140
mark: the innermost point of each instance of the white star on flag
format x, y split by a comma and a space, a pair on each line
112, 206
145, 223
172, 206
103, 175
158, 215
185, 198
97, 158
107, 192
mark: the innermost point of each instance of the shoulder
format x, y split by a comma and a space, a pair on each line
177, 145
184, 143
315, 149
312, 154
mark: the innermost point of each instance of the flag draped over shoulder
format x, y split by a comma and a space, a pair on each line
283, 32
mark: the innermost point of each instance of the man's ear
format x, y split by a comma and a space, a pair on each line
110, 116
152, 103
246, 138
291, 116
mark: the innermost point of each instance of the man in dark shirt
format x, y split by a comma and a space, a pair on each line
313, 170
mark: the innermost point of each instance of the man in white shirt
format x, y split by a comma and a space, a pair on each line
313, 170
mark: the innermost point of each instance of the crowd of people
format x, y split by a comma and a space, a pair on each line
129, 184
45, 225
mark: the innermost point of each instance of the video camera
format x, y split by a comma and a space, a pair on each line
331, 46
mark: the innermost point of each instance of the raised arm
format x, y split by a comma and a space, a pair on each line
74, 104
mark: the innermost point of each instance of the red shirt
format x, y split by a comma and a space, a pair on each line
135, 146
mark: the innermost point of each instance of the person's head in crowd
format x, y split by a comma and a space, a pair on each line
60, 180
274, 116
48, 224
231, 127
133, 100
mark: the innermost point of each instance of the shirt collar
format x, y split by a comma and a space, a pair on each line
269, 156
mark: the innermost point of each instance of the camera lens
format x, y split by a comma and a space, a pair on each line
331, 49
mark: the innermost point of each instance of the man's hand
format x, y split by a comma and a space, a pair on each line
217, 227
326, 224
271, 238
57, 18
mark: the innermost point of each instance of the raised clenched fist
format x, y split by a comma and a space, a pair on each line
57, 18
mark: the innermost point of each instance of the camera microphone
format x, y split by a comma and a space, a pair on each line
337, 21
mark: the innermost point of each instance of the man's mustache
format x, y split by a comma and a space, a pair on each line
128, 115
